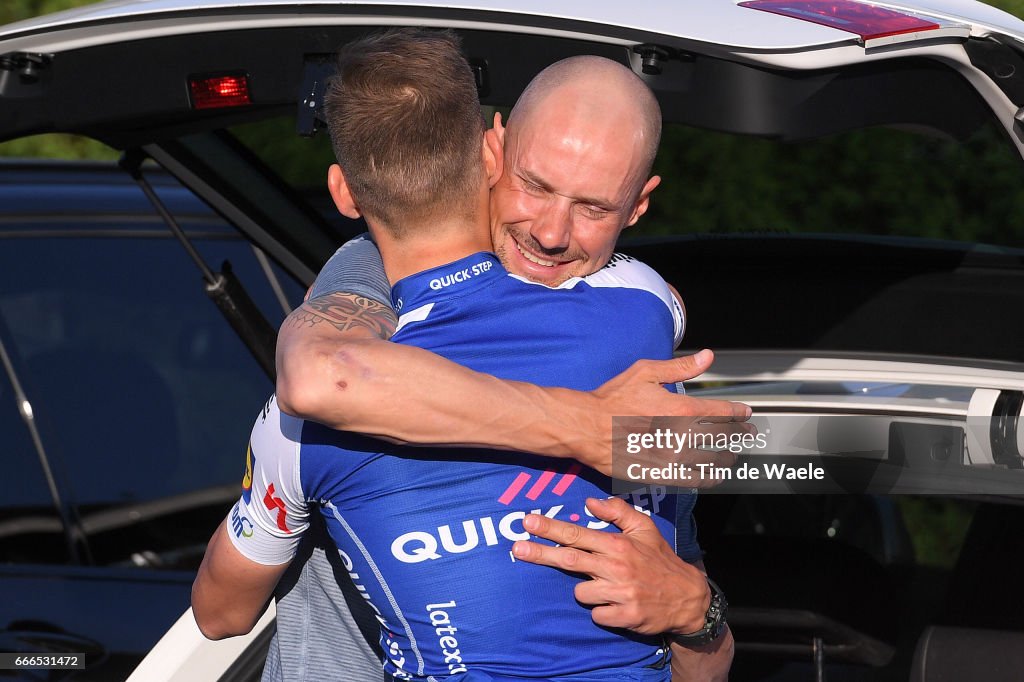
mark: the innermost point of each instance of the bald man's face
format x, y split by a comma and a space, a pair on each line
568, 189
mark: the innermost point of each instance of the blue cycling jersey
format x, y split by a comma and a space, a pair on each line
425, 534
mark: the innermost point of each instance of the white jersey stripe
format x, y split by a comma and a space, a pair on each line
417, 315
383, 584
629, 273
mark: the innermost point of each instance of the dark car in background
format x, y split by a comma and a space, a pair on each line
125, 403
841, 211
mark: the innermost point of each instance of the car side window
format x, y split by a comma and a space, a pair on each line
145, 394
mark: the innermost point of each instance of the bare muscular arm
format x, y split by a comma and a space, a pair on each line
334, 367
230, 592
708, 662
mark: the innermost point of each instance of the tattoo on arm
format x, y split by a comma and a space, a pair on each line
346, 311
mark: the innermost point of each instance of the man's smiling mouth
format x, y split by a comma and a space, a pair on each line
534, 259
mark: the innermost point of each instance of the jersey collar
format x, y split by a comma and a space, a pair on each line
446, 281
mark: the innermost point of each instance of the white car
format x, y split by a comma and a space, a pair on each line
841, 210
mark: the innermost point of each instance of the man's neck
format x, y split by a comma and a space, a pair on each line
438, 241
406, 257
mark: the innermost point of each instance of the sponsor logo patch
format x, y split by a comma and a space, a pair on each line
241, 526
272, 502
250, 460
513, 490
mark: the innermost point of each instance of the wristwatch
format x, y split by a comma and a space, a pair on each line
714, 619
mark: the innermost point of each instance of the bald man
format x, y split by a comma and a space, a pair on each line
580, 144
575, 175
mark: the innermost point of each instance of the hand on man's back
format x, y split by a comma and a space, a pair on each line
638, 399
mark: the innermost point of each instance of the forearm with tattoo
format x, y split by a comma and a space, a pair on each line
346, 312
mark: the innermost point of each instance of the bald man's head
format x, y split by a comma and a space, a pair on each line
578, 151
599, 93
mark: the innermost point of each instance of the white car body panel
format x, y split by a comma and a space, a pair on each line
185, 655
719, 27
141, 29
715, 22
736, 366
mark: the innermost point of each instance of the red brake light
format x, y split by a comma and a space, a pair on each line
219, 91
867, 21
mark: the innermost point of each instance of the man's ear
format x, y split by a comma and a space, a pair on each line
493, 157
644, 200
342, 195
498, 128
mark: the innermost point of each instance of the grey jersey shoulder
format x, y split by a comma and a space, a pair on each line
355, 268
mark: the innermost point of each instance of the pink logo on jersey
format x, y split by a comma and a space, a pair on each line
540, 485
